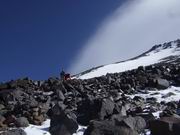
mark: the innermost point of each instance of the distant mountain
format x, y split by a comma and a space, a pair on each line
163, 53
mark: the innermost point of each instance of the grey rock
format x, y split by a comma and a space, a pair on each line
62, 122
107, 128
14, 132
60, 95
162, 83
135, 123
22, 122
165, 126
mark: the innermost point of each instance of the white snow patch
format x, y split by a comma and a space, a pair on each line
148, 132
48, 93
81, 130
157, 114
151, 58
38, 130
159, 95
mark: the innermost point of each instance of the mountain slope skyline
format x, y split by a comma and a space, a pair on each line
166, 52
131, 29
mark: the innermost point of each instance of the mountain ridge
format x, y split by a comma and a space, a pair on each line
172, 46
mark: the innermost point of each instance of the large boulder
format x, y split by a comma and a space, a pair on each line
63, 122
147, 117
165, 126
22, 122
107, 128
60, 95
107, 108
162, 83
135, 123
95, 109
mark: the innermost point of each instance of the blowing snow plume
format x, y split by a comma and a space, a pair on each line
131, 29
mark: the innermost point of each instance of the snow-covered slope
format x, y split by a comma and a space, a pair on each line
160, 53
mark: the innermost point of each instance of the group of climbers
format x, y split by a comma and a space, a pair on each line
65, 76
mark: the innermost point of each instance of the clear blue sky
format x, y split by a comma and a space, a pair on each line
39, 37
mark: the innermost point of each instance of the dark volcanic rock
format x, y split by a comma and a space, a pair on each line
62, 121
147, 117
60, 95
95, 109
165, 126
107, 128
135, 123
14, 132
106, 109
22, 122
10, 120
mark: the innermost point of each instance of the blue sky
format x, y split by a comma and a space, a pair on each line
39, 37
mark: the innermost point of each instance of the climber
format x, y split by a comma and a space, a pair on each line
65, 76
62, 74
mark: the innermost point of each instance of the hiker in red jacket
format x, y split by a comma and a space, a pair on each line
67, 77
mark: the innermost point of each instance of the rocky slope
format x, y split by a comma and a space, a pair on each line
138, 101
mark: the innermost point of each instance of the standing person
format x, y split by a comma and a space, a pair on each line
62, 74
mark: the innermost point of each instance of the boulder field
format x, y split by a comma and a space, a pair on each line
105, 104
